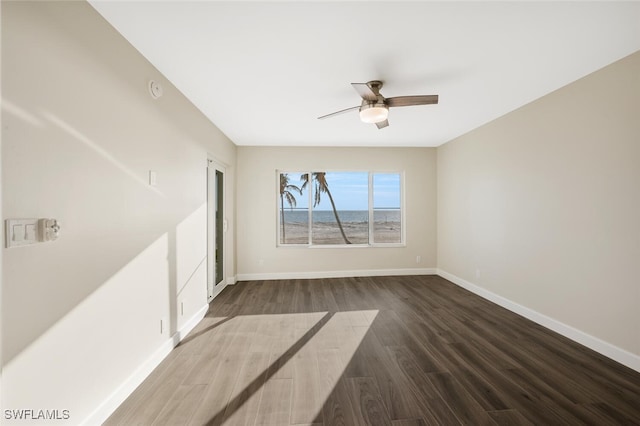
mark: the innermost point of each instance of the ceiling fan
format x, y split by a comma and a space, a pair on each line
375, 107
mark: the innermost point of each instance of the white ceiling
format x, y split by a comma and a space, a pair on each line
264, 71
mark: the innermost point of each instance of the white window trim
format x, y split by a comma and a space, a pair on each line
310, 245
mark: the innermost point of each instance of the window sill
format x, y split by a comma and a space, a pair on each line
341, 246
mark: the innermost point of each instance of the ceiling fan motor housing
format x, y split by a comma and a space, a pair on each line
375, 86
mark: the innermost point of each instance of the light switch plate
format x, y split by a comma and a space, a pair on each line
20, 232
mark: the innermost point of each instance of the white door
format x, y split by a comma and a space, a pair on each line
216, 229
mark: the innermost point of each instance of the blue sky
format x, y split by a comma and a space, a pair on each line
350, 190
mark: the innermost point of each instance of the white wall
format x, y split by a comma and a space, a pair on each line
541, 207
80, 133
257, 221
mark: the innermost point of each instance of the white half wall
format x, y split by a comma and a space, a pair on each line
541, 206
80, 134
258, 255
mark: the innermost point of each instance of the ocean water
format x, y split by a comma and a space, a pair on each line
346, 216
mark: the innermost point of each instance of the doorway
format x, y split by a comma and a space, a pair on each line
216, 229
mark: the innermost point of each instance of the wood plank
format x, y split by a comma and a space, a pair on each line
409, 422
466, 409
337, 408
354, 356
318, 300
180, 407
303, 296
409, 368
307, 401
481, 390
439, 413
203, 371
288, 292
218, 393
281, 367
332, 304
339, 294
367, 400
242, 408
275, 405
399, 401
603, 413
264, 336
509, 418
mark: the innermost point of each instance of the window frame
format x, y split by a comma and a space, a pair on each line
371, 243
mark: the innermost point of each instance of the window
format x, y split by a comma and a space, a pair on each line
386, 208
339, 208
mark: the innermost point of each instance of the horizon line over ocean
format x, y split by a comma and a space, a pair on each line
301, 215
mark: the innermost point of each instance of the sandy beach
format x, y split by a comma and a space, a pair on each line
329, 233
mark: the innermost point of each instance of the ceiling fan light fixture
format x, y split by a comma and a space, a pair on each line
374, 113
374, 108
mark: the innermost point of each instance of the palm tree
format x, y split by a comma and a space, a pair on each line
322, 187
286, 194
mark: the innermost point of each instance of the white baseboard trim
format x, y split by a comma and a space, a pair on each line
189, 325
104, 410
335, 274
607, 349
231, 280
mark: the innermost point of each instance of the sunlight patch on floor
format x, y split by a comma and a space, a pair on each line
297, 358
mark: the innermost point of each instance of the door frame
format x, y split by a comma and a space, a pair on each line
214, 288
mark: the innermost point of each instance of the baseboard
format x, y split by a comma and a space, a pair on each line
102, 413
231, 280
607, 349
189, 325
335, 274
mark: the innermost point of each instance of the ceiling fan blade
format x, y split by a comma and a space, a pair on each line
383, 124
365, 92
338, 112
400, 101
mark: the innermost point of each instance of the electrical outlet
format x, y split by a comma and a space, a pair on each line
181, 308
418, 259
163, 325
477, 273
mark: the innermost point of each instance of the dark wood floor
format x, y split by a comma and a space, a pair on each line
377, 351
